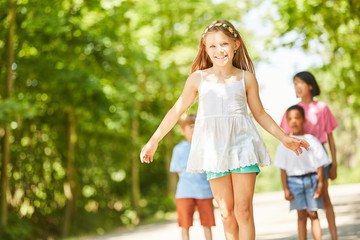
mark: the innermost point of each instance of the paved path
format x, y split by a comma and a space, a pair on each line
272, 219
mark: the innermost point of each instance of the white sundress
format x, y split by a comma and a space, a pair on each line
224, 137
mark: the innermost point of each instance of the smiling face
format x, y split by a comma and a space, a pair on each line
295, 121
220, 48
302, 89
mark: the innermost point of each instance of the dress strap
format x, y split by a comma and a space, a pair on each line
243, 79
244, 86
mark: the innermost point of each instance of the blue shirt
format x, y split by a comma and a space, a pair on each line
190, 185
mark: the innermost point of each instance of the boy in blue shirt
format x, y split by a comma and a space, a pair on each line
193, 189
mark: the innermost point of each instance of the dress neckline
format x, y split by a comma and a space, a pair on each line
224, 83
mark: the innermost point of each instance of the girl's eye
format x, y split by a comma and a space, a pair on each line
212, 46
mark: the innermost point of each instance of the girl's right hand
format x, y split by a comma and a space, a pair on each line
148, 151
295, 144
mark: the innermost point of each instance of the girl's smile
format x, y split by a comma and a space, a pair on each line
222, 57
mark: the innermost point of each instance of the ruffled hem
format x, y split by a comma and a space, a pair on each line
201, 169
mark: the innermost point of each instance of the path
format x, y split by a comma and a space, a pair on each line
272, 219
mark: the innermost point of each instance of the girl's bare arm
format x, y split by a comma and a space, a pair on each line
333, 169
184, 101
257, 109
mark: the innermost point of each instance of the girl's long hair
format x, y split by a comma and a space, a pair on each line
241, 58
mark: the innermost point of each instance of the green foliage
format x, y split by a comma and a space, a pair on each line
12, 109
16, 229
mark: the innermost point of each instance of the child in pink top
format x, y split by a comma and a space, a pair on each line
319, 120
319, 123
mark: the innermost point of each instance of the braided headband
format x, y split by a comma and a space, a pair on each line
230, 29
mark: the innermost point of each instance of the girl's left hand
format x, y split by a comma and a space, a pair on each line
295, 144
333, 171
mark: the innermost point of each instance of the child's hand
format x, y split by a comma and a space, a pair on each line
319, 189
288, 195
295, 144
318, 192
333, 171
147, 152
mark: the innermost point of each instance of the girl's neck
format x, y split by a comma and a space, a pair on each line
307, 99
223, 71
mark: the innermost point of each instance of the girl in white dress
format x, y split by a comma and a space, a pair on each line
225, 143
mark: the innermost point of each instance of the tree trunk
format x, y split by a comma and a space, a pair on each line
70, 184
135, 186
7, 94
4, 177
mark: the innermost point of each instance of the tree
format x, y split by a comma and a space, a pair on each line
7, 95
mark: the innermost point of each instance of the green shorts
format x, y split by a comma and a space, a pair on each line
247, 169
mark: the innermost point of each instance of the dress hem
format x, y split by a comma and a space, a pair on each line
264, 164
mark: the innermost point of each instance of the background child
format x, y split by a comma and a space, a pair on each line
192, 189
319, 123
302, 176
225, 143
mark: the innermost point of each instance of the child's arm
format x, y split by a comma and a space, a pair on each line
257, 109
187, 97
333, 169
319, 188
288, 194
